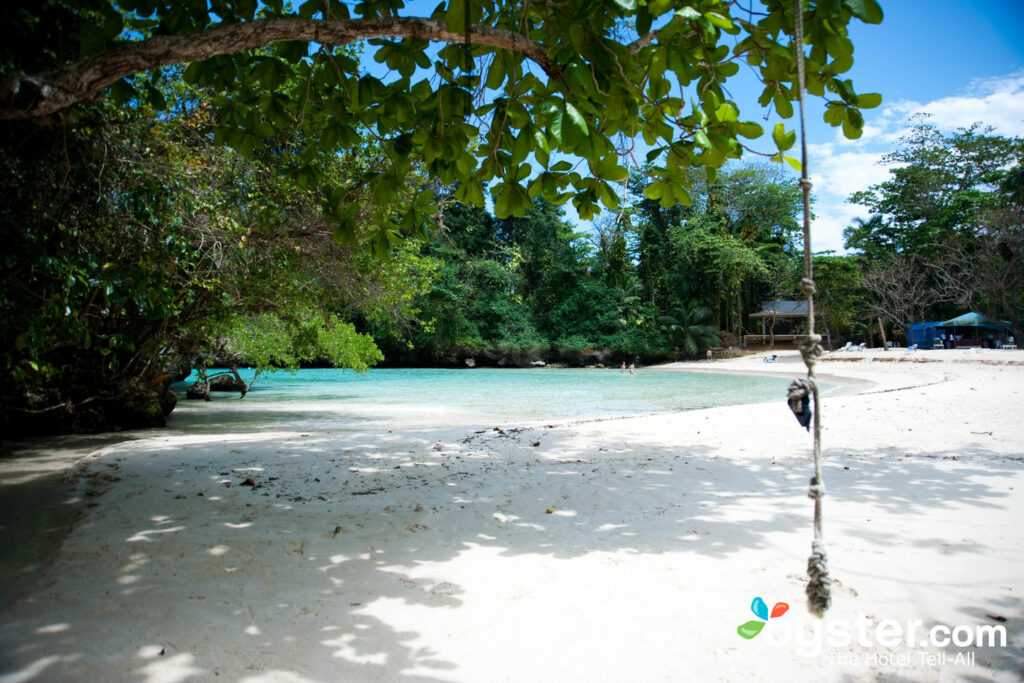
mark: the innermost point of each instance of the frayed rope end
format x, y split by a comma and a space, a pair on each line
819, 587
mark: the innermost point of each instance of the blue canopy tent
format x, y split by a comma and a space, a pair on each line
976, 326
923, 334
973, 327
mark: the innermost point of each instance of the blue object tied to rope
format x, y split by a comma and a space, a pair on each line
803, 416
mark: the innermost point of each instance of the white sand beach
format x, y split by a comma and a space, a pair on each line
613, 550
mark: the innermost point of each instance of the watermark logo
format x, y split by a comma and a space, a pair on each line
873, 641
760, 610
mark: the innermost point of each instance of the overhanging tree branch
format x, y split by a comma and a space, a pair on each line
29, 96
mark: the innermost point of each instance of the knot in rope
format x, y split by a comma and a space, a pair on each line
816, 490
811, 350
799, 389
799, 397
808, 287
819, 588
805, 184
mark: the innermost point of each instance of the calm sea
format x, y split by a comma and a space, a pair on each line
503, 395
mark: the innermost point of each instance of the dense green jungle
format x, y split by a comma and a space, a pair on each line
224, 211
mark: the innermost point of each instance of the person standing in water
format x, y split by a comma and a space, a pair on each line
622, 368
632, 369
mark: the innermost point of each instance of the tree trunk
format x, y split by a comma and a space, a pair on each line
206, 382
881, 328
244, 388
44, 94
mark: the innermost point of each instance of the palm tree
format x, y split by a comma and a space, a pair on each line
686, 329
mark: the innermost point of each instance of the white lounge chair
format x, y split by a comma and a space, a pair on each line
848, 347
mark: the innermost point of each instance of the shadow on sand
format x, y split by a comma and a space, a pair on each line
340, 517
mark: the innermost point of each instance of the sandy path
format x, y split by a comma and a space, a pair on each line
625, 549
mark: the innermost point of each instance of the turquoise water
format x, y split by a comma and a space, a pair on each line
503, 394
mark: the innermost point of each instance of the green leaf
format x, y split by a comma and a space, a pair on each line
854, 116
867, 11
310, 7
577, 37
835, 113
795, 163
521, 147
607, 196
688, 13
555, 127
576, 119
726, 112
783, 106
609, 169
868, 100
783, 140
122, 91
720, 21
681, 195
193, 72
473, 193
851, 131
828, 8
156, 98
345, 233
496, 73
750, 629
643, 21
113, 22
455, 17
749, 130
655, 191
292, 50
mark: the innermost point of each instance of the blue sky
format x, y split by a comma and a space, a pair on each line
960, 61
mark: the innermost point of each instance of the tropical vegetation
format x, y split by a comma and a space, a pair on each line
191, 184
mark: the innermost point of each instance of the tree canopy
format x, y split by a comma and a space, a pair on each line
518, 100
946, 226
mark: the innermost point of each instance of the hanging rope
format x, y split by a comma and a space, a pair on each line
468, 50
801, 392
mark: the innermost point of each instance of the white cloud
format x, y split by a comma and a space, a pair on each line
841, 167
843, 173
829, 222
998, 102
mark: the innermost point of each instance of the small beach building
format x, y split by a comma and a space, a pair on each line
781, 321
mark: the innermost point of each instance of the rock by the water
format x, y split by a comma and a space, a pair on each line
198, 392
226, 383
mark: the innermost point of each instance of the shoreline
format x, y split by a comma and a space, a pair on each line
593, 550
844, 385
